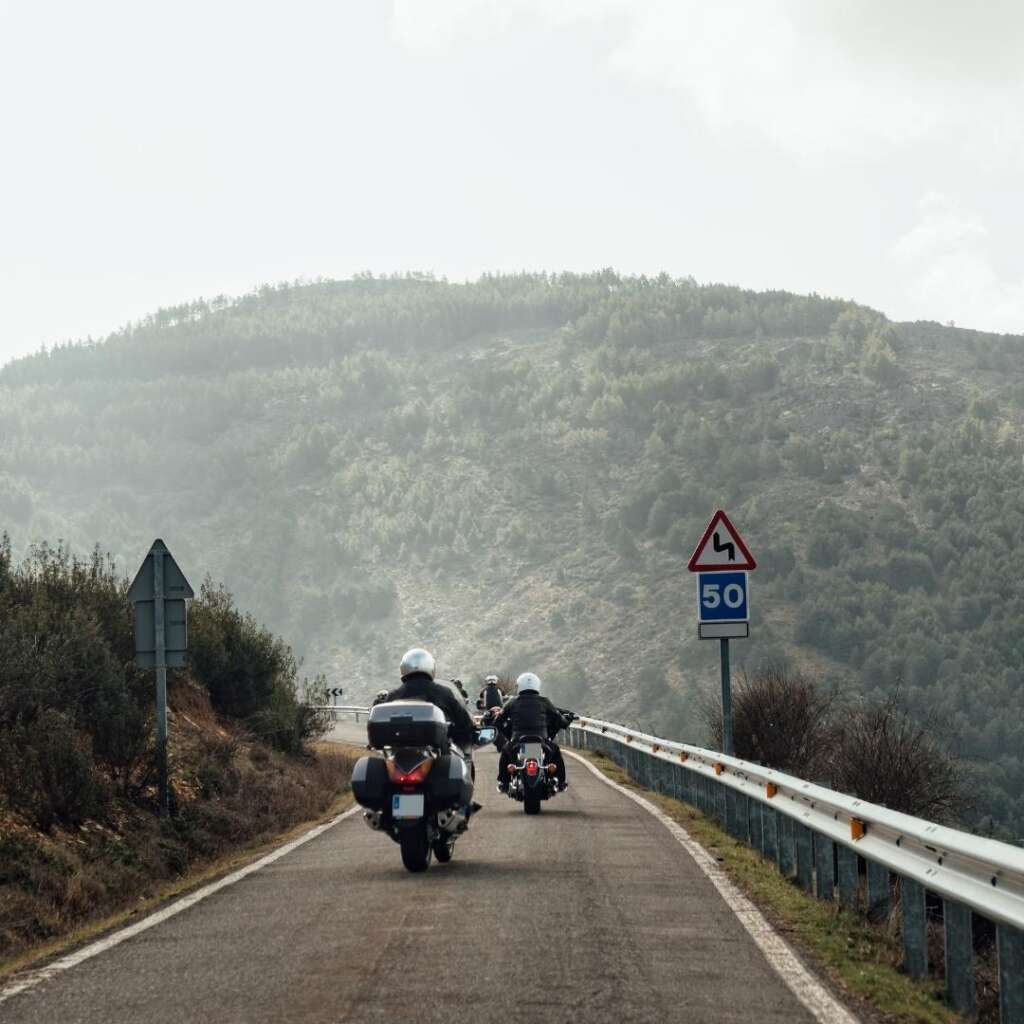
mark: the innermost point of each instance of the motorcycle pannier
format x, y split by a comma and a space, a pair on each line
449, 782
407, 723
370, 783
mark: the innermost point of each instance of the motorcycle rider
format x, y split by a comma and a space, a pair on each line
417, 671
530, 714
491, 695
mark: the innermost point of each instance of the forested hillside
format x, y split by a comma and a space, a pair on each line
513, 472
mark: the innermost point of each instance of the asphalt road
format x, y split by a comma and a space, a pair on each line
590, 912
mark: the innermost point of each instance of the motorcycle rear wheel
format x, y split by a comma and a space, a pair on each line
531, 804
415, 849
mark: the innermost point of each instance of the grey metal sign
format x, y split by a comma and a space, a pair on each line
159, 592
174, 590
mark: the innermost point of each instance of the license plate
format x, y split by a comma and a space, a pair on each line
407, 806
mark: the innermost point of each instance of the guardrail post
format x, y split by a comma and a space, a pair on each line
957, 921
770, 832
915, 928
787, 851
755, 825
804, 856
731, 810
744, 809
824, 867
849, 877
721, 805
1010, 949
683, 783
879, 892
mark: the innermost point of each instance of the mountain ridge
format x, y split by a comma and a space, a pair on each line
513, 471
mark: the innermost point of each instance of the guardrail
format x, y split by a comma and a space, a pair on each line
348, 709
829, 842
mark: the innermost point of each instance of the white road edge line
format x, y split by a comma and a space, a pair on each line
779, 954
65, 963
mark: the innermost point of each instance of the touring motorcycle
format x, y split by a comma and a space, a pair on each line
420, 791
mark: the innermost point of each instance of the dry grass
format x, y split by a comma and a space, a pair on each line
232, 795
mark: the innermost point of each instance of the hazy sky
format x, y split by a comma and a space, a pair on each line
152, 153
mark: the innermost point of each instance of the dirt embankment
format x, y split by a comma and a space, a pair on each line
230, 794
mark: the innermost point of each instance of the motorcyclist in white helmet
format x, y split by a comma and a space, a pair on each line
491, 695
417, 670
531, 714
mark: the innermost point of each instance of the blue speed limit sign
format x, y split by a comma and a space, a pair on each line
723, 597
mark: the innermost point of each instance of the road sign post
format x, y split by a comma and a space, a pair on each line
721, 561
726, 698
159, 592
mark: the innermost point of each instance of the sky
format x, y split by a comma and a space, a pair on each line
152, 154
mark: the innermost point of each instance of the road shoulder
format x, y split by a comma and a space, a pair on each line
855, 960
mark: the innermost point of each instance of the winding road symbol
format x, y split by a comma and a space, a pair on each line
727, 546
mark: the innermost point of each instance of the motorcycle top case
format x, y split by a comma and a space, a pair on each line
407, 723
370, 783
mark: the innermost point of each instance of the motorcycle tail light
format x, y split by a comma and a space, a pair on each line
532, 768
412, 777
551, 768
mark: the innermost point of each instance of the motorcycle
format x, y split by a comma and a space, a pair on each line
532, 777
420, 792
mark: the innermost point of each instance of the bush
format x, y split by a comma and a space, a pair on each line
780, 719
883, 755
47, 772
251, 674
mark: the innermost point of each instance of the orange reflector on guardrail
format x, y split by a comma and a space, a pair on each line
683, 755
629, 739
858, 828
655, 748
770, 790
719, 768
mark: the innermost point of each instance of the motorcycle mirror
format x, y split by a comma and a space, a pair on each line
486, 735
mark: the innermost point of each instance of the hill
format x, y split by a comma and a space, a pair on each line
512, 472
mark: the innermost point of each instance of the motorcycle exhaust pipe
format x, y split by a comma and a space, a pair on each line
452, 820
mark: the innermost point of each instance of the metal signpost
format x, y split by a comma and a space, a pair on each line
721, 561
159, 592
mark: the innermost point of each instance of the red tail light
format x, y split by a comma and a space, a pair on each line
532, 768
413, 777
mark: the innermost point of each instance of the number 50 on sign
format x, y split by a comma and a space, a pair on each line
723, 597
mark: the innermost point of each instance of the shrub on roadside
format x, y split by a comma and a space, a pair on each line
781, 718
884, 755
251, 674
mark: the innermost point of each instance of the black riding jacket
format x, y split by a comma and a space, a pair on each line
530, 714
420, 686
491, 696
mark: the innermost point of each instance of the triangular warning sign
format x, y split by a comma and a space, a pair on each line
721, 548
175, 584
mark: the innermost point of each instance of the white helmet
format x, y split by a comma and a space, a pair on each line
528, 683
491, 679
416, 661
